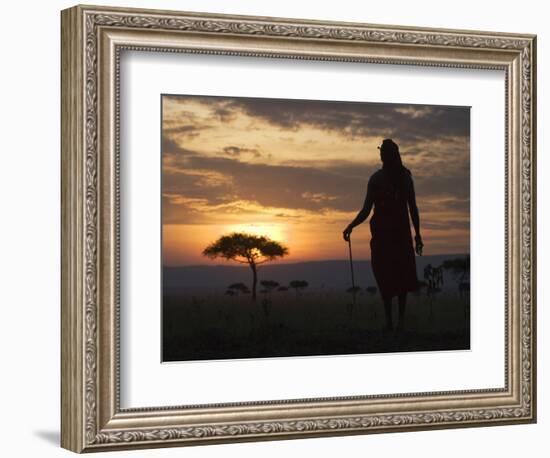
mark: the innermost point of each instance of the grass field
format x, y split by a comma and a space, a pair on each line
316, 322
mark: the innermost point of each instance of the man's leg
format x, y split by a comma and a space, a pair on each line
387, 309
402, 301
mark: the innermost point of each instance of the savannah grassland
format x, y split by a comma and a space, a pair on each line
314, 322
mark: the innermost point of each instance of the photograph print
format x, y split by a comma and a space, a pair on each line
310, 227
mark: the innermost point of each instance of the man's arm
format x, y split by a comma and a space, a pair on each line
415, 217
363, 213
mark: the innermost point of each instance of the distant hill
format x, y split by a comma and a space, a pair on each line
319, 274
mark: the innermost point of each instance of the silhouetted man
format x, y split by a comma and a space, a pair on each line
391, 191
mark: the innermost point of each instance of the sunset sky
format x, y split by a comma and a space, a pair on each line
297, 171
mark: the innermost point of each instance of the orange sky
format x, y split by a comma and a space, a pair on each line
297, 172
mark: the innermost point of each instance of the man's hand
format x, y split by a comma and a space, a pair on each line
347, 233
418, 245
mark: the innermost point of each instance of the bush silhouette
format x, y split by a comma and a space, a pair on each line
460, 267
371, 289
298, 285
269, 285
238, 288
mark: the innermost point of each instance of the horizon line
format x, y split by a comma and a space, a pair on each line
232, 264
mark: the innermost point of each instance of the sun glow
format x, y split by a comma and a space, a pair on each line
276, 232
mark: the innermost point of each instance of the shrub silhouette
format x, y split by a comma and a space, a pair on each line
460, 267
238, 288
269, 286
371, 289
298, 285
246, 249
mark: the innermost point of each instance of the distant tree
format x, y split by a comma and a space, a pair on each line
298, 285
353, 289
269, 285
460, 267
434, 278
371, 289
246, 249
238, 288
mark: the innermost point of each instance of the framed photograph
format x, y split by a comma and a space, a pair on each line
277, 228
269, 185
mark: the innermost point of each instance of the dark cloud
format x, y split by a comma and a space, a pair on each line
236, 151
170, 147
458, 204
186, 130
223, 114
403, 122
287, 215
411, 153
443, 186
198, 187
216, 181
187, 124
270, 185
447, 224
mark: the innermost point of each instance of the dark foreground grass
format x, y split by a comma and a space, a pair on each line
312, 323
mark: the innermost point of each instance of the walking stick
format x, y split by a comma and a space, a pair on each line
351, 263
353, 290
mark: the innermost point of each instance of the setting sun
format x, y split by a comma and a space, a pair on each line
278, 232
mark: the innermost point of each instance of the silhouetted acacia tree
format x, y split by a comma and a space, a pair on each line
298, 285
269, 285
238, 288
246, 249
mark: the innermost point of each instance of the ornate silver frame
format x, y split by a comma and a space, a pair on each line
92, 39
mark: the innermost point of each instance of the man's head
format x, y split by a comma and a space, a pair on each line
389, 153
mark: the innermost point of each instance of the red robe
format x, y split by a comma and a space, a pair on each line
392, 253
